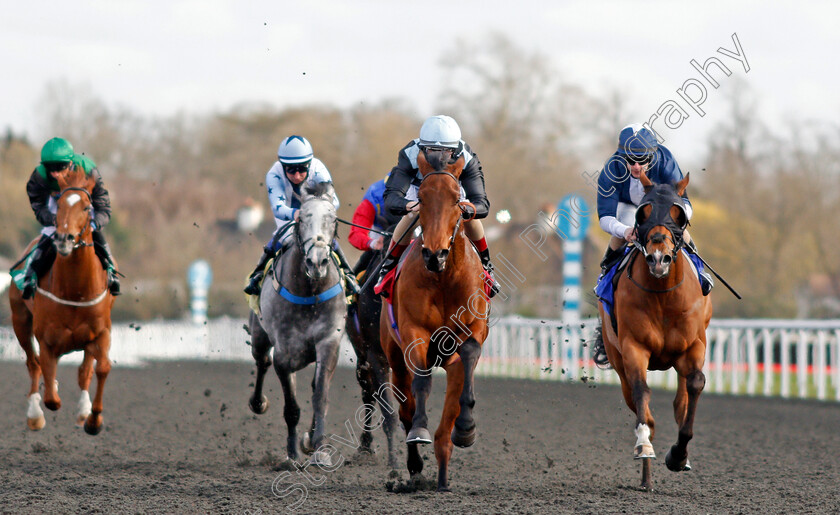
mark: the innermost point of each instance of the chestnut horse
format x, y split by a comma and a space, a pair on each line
662, 318
441, 311
70, 311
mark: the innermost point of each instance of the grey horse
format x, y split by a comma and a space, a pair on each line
302, 314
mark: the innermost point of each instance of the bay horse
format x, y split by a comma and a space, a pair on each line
371, 363
70, 311
662, 318
302, 311
441, 311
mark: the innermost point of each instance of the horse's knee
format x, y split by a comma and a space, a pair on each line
695, 382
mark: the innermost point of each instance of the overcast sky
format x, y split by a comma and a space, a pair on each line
158, 58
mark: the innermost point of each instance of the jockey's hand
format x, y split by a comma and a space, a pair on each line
376, 243
413, 206
630, 235
297, 215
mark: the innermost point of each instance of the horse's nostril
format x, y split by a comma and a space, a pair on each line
324, 262
666, 259
650, 260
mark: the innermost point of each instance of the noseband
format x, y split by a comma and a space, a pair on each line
89, 209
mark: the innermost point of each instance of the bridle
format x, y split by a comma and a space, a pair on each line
89, 209
461, 205
659, 216
311, 241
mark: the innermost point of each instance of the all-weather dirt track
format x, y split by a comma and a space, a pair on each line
179, 438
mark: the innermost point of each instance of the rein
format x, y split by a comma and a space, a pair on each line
371, 229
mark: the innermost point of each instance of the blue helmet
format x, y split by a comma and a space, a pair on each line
294, 150
637, 141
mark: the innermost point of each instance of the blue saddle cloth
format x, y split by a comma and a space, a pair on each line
605, 290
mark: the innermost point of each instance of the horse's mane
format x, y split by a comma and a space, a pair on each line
321, 189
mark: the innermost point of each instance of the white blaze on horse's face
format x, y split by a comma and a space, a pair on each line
71, 222
659, 257
317, 221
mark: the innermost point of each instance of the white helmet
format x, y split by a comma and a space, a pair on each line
294, 150
440, 131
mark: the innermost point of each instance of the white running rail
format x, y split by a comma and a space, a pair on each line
787, 358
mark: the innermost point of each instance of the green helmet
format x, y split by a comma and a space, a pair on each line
57, 150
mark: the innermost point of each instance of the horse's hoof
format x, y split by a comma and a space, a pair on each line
321, 458
53, 405
259, 407
419, 435
444, 489
674, 465
93, 425
643, 451
306, 444
463, 438
36, 424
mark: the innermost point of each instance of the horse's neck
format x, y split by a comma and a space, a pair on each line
78, 273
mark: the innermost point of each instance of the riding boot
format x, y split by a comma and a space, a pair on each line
706, 281
488, 266
350, 284
103, 251
389, 263
34, 267
611, 258
255, 279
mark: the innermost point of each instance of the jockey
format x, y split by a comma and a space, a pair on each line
57, 156
296, 168
439, 133
370, 213
619, 197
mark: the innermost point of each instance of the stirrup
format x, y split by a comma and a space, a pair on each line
494, 285
351, 283
28, 291
599, 351
113, 284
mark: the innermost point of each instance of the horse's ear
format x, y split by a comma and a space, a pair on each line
457, 166
682, 185
645, 181
422, 164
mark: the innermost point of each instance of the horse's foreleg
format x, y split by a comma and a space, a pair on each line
385, 398
48, 367
637, 395
693, 383
22, 324
84, 407
455, 384
261, 352
464, 432
99, 348
326, 359
364, 376
401, 380
291, 410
